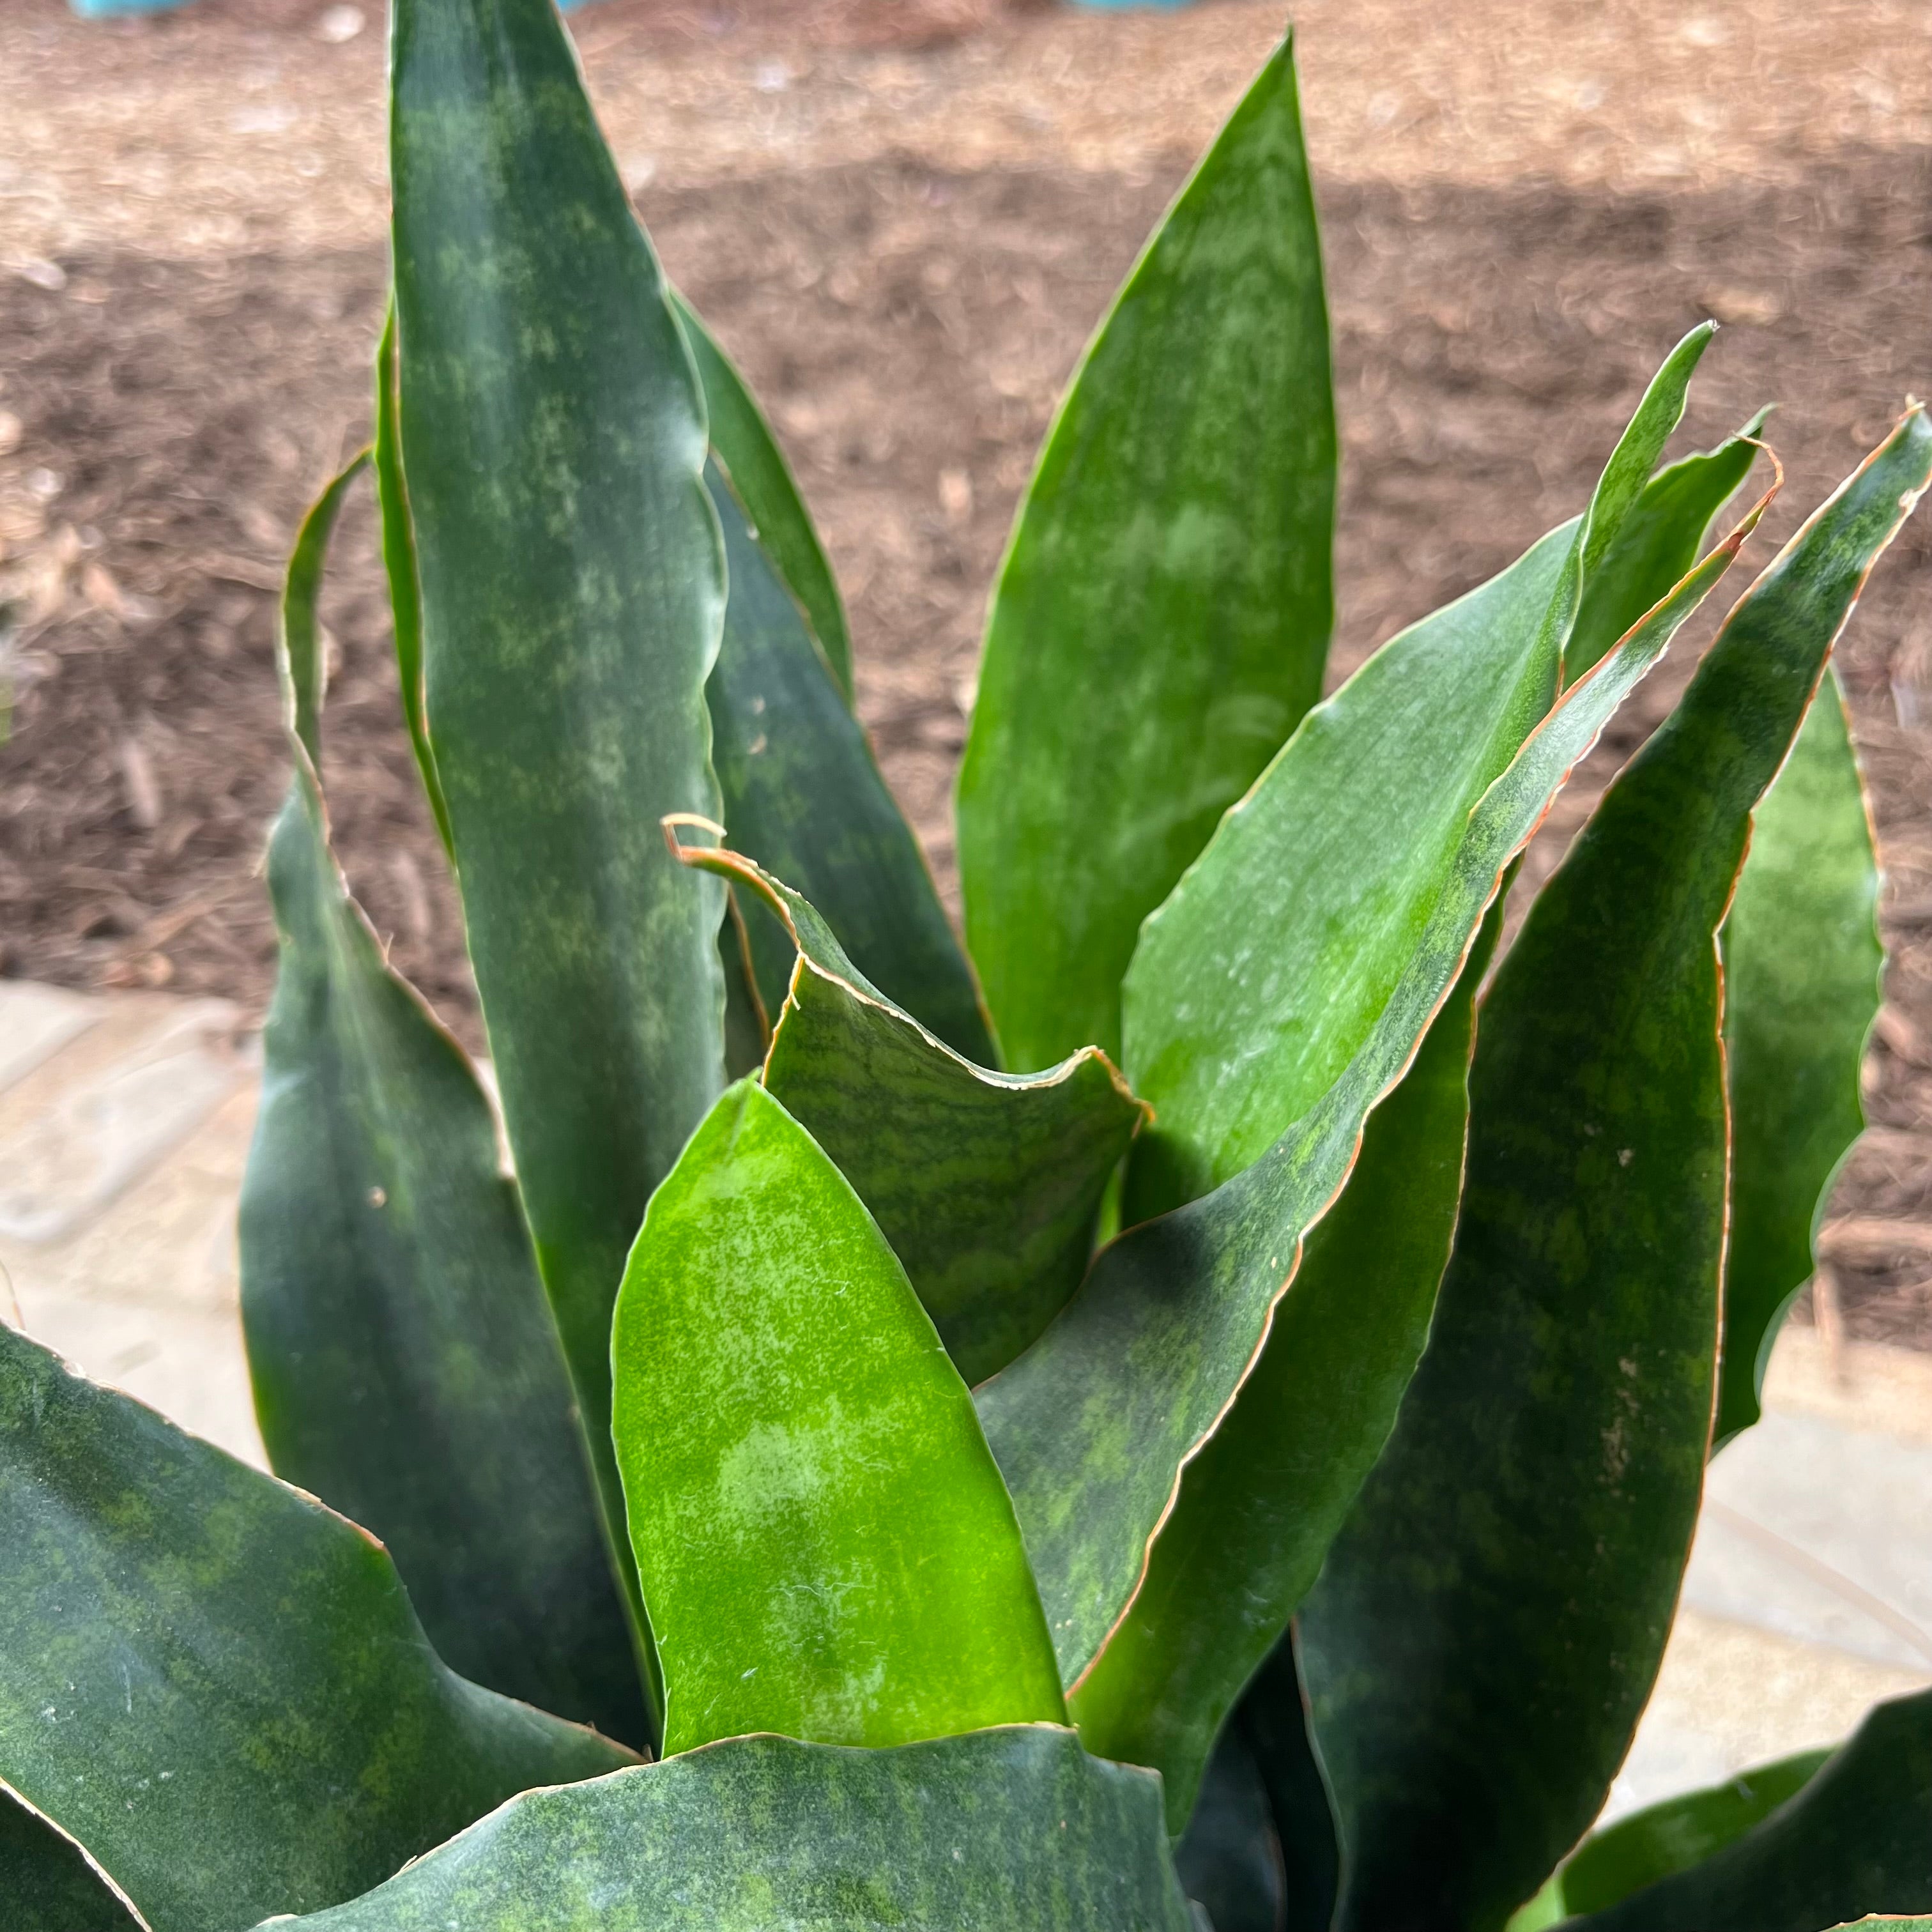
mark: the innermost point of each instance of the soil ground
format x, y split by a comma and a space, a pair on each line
903, 216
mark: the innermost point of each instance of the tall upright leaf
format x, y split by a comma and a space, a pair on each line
399, 564
1856, 1839
803, 797
1801, 965
1488, 1624
1005, 1831
405, 1367
216, 1685
822, 1536
1092, 1425
1437, 706
1162, 618
742, 440
1657, 542
985, 1184
1266, 966
553, 438
1259, 1505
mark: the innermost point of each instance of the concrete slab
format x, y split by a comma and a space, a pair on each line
123, 1128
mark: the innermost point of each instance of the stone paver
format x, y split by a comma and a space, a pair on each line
124, 1124
1809, 1594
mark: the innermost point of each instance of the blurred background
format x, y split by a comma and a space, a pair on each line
903, 217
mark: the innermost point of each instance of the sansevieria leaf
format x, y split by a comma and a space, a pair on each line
1258, 1508
1260, 1504
1162, 618
1657, 542
1801, 962
803, 797
1264, 1742
48, 1882
399, 563
822, 1534
985, 1184
1676, 1834
1261, 975
553, 440
1859, 1834
405, 1367
1006, 1831
1488, 1624
216, 1685
1092, 1425
742, 440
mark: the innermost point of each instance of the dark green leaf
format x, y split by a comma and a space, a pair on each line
1092, 1426
1802, 965
1230, 1860
1488, 1624
1260, 1504
1008, 1831
804, 799
1272, 1717
1657, 543
985, 1184
399, 563
405, 1367
748, 1032
48, 1882
1651, 1844
216, 1684
743, 441
1258, 980
1263, 1755
1857, 1838
822, 1534
1162, 615
554, 442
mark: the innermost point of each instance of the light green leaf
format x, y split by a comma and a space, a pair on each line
1261, 976
553, 440
1637, 1851
399, 564
1656, 543
405, 1365
985, 1184
803, 797
1802, 966
1488, 1624
48, 1882
1007, 1830
743, 441
1261, 1503
1857, 1838
822, 1537
1162, 617
1092, 1426
216, 1685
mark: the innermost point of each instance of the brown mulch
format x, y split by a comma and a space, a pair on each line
909, 327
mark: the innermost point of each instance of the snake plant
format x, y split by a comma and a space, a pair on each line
1187, 1409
